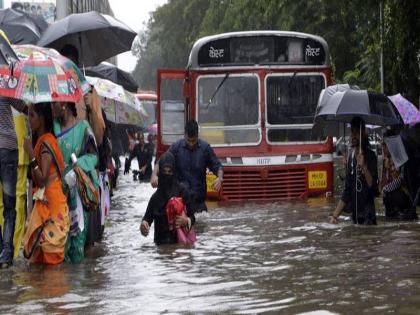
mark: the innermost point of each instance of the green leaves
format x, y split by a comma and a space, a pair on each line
351, 28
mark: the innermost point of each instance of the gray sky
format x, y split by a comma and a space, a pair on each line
134, 13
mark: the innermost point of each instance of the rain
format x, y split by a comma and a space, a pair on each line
242, 160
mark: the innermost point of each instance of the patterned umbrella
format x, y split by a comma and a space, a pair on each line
121, 106
42, 75
409, 113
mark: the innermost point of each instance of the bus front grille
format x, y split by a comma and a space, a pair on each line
264, 184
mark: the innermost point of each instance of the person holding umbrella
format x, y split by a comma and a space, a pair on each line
361, 183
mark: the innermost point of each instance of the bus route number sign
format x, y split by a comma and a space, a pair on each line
317, 179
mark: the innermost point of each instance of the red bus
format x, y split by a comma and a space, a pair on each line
254, 96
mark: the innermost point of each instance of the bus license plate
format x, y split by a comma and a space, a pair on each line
317, 179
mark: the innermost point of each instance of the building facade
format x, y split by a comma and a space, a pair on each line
66, 7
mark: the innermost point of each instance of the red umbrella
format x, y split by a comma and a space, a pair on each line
42, 75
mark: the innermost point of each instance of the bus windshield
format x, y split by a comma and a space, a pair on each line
228, 109
290, 105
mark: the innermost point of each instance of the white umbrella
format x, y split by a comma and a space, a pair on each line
121, 106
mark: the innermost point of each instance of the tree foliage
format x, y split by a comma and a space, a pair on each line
351, 28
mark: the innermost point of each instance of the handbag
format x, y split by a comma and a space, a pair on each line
175, 207
88, 194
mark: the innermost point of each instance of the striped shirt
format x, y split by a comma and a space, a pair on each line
393, 185
8, 138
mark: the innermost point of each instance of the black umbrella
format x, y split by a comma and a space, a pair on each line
21, 27
106, 70
343, 106
7, 54
96, 36
324, 97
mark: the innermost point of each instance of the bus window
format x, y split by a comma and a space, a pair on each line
291, 100
173, 115
172, 110
228, 109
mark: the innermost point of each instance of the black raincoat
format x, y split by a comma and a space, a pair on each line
168, 187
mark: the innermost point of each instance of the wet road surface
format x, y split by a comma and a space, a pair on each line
279, 258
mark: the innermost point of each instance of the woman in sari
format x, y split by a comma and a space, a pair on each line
48, 225
76, 137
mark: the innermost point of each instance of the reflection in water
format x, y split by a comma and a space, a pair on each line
279, 258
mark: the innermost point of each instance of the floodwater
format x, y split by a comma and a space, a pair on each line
278, 258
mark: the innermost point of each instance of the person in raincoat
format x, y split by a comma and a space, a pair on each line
361, 183
168, 187
76, 138
49, 223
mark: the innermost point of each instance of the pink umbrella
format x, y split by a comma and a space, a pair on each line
409, 113
152, 129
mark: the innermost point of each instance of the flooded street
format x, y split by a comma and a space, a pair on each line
280, 258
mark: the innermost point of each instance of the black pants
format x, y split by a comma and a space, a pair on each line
366, 215
397, 204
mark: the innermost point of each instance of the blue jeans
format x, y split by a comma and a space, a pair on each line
8, 177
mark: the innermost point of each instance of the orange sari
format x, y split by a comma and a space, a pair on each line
49, 221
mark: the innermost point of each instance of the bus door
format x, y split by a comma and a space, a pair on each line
172, 109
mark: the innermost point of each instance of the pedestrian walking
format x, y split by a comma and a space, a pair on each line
361, 183
168, 187
192, 158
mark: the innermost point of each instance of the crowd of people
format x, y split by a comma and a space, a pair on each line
71, 166
398, 184
70, 183
71, 170
65, 152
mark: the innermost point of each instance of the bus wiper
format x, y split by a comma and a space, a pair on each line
217, 89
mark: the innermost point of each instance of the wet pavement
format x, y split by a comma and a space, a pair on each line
279, 258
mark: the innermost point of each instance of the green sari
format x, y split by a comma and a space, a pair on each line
77, 140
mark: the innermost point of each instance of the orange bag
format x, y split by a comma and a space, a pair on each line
88, 194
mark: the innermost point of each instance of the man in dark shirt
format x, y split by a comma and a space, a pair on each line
192, 157
144, 155
361, 185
